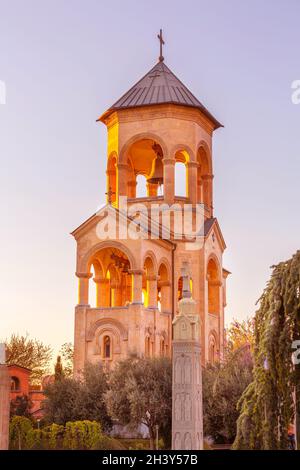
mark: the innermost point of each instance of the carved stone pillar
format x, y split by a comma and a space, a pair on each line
187, 418
169, 180
83, 288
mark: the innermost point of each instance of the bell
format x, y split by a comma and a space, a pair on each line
157, 171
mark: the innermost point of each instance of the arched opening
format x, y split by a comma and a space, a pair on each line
15, 385
111, 179
149, 284
181, 173
164, 289
107, 350
214, 285
212, 349
145, 171
110, 268
204, 178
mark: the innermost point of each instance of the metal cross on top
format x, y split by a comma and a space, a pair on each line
162, 42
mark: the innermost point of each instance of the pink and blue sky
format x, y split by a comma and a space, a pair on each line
65, 62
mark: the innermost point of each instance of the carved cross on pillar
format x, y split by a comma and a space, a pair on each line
161, 43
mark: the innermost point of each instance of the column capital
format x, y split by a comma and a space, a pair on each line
83, 275
164, 283
152, 277
207, 177
192, 164
138, 272
100, 280
122, 166
168, 161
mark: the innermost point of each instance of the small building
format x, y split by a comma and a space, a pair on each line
20, 386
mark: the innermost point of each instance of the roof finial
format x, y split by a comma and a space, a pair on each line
161, 43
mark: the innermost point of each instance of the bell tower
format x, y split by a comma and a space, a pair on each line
156, 126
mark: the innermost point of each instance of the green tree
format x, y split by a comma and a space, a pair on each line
141, 392
267, 407
223, 385
21, 406
67, 354
20, 433
94, 387
62, 401
240, 334
30, 353
68, 399
58, 370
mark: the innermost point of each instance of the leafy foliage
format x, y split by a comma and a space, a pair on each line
77, 435
67, 355
223, 385
20, 406
73, 400
141, 392
240, 334
30, 353
266, 407
58, 370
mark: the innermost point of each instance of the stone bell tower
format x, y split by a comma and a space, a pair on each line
187, 417
155, 129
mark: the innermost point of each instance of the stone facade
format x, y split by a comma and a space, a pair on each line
137, 280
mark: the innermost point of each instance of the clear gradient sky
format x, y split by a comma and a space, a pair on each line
64, 62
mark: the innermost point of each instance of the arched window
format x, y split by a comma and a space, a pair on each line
214, 286
106, 347
15, 384
162, 347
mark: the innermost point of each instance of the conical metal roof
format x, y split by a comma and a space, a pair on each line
159, 86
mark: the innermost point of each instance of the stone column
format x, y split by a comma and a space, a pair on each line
83, 289
4, 400
192, 181
152, 290
208, 192
137, 289
169, 180
122, 174
101, 300
187, 417
165, 296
